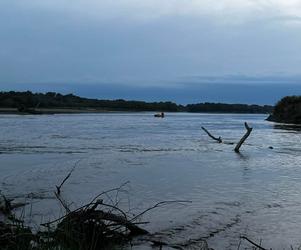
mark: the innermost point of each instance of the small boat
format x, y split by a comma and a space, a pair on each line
159, 115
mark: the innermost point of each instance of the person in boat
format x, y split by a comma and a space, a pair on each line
160, 115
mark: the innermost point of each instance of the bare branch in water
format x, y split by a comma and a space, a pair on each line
219, 139
58, 188
242, 140
64, 203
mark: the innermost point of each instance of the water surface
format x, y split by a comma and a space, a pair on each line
256, 193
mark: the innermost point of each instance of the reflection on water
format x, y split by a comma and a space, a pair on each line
290, 127
256, 192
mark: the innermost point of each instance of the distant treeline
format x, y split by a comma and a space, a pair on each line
228, 108
50, 100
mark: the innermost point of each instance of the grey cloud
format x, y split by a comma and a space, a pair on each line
52, 44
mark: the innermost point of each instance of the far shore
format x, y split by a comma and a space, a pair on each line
52, 111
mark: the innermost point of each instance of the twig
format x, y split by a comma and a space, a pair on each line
159, 204
253, 243
115, 208
110, 190
238, 247
242, 140
58, 188
63, 217
64, 204
219, 139
123, 222
85, 207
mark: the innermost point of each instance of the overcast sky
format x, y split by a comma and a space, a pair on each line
176, 46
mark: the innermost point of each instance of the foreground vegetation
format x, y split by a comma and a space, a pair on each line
287, 110
94, 226
51, 100
99, 224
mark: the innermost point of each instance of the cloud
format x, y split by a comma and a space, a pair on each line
219, 11
146, 41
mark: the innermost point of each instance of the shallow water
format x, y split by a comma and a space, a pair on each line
256, 193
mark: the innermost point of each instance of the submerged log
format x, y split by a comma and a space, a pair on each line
219, 139
242, 140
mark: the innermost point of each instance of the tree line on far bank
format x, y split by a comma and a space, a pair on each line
50, 100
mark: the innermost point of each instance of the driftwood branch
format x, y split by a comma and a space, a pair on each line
119, 220
219, 139
64, 203
58, 188
108, 221
242, 140
92, 207
84, 208
253, 243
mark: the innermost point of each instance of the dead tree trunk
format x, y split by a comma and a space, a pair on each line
242, 140
219, 139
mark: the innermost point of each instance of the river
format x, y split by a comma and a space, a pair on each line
255, 193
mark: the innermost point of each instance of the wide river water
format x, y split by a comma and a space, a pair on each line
256, 193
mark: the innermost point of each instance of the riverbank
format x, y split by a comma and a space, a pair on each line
52, 111
57, 103
287, 110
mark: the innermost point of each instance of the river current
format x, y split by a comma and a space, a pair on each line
256, 193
